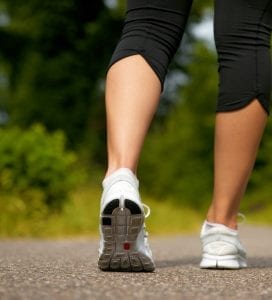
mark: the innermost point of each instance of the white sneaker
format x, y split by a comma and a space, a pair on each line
123, 244
221, 248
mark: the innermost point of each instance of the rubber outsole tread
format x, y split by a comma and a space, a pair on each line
121, 232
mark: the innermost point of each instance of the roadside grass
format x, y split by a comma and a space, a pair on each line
257, 207
261, 217
79, 217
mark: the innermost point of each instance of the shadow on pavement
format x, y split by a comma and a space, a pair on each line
177, 262
260, 262
253, 262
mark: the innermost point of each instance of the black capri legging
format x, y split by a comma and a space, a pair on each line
154, 29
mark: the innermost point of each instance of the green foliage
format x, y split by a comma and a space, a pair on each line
36, 166
57, 54
54, 55
177, 158
260, 188
79, 217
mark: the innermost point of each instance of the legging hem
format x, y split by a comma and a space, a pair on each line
146, 58
244, 102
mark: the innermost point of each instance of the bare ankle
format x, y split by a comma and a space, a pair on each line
112, 169
222, 218
229, 223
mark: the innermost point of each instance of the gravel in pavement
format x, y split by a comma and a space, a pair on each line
67, 269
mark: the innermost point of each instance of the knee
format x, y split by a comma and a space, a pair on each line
153, 31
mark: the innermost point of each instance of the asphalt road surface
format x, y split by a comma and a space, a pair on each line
66, 269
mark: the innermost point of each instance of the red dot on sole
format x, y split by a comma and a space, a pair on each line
126, 246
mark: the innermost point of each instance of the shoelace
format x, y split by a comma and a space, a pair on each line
147, 214
243, 217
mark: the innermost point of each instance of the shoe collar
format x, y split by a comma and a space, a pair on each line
124, 174
208, 226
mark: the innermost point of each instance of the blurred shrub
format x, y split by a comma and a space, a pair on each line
35, 165
177, 160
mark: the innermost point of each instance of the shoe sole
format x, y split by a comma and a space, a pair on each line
120, 228
223, 262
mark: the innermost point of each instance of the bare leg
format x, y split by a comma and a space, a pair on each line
237, 138
132, 95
